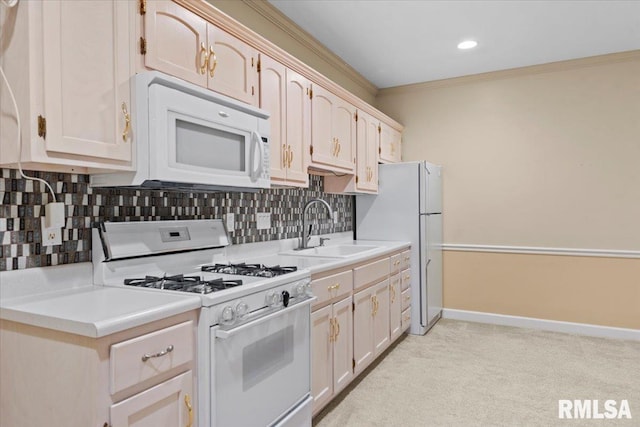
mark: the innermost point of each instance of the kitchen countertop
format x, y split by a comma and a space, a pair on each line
62, 297
92, 311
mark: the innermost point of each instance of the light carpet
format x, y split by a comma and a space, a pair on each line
475, 374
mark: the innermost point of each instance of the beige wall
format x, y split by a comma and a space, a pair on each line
547, 156
267, 22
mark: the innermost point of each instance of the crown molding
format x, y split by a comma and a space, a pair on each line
612, 58
280, 20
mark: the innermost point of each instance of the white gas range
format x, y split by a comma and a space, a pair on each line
254, 325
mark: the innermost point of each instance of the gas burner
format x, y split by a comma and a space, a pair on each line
242, 269
194, 284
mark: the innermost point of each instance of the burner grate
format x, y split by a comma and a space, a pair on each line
181, 283
242, 269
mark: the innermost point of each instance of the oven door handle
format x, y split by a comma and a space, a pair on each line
228, 333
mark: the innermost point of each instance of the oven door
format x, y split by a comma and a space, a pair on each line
196, 140
261, 369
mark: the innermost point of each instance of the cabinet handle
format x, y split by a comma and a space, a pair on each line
339, 147
332, 328
407, 298
210, 62
284, 155
407, 277
335, 319
202, 57
289, 156
160, 354
393, 293
187, 402
127, 122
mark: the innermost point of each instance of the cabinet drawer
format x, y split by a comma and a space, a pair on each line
405, 299
406, 319
405, 260
405, 277
146, 356
330, 287
396, 260
370, 273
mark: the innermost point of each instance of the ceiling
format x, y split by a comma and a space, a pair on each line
393, 43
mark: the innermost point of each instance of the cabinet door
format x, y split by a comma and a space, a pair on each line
298, 134
321, 357
322, 138
176, 41
273, 99
390, 144
87, 65
363, 329
381, 318
394, 307
169, 404
235, 72
342, 344
367, 137
345, 133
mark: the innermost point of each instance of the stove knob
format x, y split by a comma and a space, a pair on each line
299, 290
273, 299
227, 316
242, 309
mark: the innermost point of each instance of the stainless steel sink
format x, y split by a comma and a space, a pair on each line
337, 251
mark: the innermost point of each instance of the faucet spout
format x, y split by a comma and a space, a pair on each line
306, 231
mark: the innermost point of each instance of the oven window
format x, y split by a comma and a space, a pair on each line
266, 357
210, 148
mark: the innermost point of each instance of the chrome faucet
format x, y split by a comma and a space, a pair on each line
306, 231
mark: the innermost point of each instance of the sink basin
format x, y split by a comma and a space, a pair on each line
337, 251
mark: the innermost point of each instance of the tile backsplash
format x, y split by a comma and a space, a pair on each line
23, 204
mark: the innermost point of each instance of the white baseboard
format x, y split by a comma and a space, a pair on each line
542, 324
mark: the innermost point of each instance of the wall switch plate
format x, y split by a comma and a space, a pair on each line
264, 220
230, 221
50, 236
335, 217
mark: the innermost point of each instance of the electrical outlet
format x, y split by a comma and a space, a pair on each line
231, 219
335, 217
50, 236
264, 220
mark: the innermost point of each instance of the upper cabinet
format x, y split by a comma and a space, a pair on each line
367, 144
285, 95
70, 76
181, 43
333, 132
390, 144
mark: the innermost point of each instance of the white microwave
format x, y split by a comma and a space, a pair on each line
187, 137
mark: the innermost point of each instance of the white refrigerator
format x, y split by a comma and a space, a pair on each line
408, 207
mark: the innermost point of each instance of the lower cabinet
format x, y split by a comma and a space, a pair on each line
356, 317
129, 378
370, 324
332, 350
168, 404
395, 314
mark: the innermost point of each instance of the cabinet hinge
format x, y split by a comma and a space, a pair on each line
379, 129
356, 116
354, 306
379, 150
259, 65
356, 179
143, 46
42, 127
143, 7
253, 90
354, 363
310, 93
311, 150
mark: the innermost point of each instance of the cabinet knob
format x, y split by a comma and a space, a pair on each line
127, 122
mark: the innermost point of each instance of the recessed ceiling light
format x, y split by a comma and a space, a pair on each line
467, 44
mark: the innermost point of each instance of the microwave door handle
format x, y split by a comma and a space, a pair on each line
259, 169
